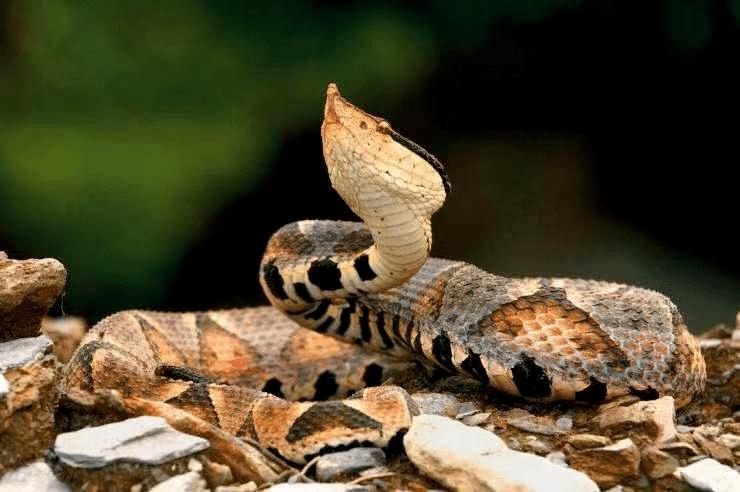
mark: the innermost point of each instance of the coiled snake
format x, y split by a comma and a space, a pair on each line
373, 284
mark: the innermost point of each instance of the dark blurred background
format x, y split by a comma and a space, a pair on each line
154, 146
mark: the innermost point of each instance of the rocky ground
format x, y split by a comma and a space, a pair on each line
468, 439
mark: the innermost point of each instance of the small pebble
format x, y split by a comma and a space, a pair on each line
732, 441
348, 462
476, 419
187, 482
564, 423
557, 457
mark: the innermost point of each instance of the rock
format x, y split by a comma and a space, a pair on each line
66, 334
732, 441
29, 392
148, 440
723, 375
532, 423
682, 450
557, 457
348, 462
28, 288
245, 487
707, 430
533, 445
436, 404
187, 482
653, 419
587, 441
477, 418
711, 475
719, 331
736, 332
610, 465
23, 351
564, 423
733, 427
715, 449
140, 452
36, 477
216, 473
318, 487
472, 459
657, 463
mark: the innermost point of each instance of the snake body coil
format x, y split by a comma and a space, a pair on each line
373, 284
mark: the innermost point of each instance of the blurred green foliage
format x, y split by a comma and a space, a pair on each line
126, 125
130, 123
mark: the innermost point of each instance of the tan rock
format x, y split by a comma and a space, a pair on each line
715, 449
732, 441
608, 466
66, 334
657, 463
653, 419
723, 375
28, 288
31, 374
587, 441
217, 473
681, 450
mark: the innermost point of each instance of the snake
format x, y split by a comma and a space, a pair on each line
352, 302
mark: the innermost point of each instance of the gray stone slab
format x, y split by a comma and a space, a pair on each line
21, 351
147, 440
350, 461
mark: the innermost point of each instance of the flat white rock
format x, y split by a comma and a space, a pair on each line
145, 439
473, 459
711, 475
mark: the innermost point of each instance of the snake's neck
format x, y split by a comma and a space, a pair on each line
392, 184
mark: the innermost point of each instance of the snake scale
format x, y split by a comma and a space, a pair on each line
372, 284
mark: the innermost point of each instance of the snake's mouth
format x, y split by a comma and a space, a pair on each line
330, 115
424, 154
